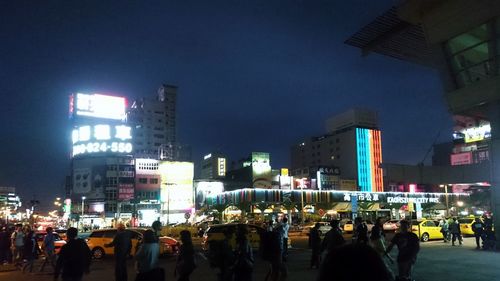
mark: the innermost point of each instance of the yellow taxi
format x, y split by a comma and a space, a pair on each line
426, 229
98, 238
466, 226
216, 233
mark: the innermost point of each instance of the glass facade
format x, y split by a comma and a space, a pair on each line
472, 55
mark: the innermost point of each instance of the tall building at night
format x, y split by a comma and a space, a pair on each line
213, 166
349, 154
102, 167
154, 123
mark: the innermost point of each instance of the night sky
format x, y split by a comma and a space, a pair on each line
252, 76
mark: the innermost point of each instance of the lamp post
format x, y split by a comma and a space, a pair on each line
83, 204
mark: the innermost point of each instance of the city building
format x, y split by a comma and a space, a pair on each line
459, 39
10, 204
348, 155
251, 172
102, 166
213, 166
147, 190
154, 123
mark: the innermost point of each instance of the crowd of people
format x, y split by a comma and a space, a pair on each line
234, 256
482, 229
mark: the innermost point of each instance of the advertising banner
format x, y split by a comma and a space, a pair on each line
125, 191
461, 158
261, 170
82, 181
177, 185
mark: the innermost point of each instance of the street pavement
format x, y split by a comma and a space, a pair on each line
436, 261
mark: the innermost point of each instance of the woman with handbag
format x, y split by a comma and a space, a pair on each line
243, 266
185, 261
147, 259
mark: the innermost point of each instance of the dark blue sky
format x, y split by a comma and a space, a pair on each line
252, 76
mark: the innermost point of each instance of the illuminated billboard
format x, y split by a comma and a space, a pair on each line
176, 185
478, 133
221, 167
101, 138
98, 106
369, 157
205, 189
261, 170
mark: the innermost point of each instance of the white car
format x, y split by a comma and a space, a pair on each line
324, 227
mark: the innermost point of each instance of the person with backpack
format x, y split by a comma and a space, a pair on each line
315, 245
360, 231
30, 251
333, 238
478, 229
48, 248
408, 246
244, 261
74, 258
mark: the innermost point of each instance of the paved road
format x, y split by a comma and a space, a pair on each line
437, 261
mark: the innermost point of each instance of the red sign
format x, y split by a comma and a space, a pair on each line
125, 191
461, 158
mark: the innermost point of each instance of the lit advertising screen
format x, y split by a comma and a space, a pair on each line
98, 106
261, 170
205, 189
177, 185
479, 133
101, 138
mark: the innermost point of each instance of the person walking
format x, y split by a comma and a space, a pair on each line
17, 243
315, 245
30, 251
408, 247
377, 241
244, 260
478, 229
48, 248
147, 259
455, 232
122, 244
443, 224
74, 258
285, 227
185, 261
360, 231
4, 245
333, 238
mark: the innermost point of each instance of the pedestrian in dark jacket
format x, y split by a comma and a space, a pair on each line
185, 261
360, 231
4, 245
30, 251
478, 229
122, 244
243, 266
455, 232
315, 245
333, 238
48, 249
408, 245
74, 258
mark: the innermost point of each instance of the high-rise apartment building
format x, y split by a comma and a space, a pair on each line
154, 123
351, 148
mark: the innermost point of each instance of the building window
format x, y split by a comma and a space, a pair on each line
153, 181
143, 180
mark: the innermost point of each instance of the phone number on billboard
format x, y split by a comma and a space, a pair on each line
96, 147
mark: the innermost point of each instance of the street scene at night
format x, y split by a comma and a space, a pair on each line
250, 140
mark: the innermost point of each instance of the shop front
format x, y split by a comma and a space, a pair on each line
340, 204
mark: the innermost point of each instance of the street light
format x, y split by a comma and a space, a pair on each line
83, 204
